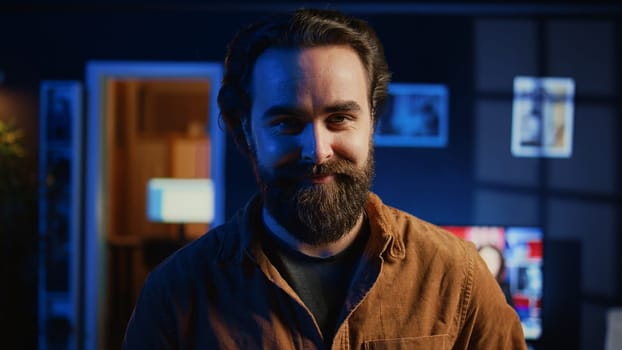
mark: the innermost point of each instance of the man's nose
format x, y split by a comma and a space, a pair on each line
316, 144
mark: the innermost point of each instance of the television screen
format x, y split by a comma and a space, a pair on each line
518, 268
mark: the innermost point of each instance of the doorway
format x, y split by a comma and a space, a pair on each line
145, 120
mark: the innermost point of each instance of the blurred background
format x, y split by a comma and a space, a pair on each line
98, 98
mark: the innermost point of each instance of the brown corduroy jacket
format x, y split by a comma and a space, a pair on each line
416, 287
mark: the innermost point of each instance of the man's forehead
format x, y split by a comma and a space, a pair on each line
273, 57
284, 66
276, 62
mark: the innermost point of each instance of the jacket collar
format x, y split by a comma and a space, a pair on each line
241, 238
385, 239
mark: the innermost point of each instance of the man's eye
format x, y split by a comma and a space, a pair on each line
338, 119
287, 125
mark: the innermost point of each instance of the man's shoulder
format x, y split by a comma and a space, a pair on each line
222, 245
421, 236
193, 260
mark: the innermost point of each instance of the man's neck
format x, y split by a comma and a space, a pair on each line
321, 250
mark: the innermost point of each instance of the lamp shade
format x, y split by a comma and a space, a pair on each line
175, 200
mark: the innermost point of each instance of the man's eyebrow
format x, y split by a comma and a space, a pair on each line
283, 110
289, 110
346, 106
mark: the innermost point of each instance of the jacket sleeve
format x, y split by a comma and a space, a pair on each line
489, 322
150, 326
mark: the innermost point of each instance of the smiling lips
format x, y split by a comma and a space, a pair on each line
319, 179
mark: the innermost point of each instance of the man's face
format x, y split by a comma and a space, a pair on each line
310, 134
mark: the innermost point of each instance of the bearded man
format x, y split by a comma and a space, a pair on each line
315, 260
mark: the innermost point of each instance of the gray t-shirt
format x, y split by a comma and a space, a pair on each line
321, 283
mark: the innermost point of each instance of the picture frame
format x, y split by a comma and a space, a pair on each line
543, 117
415, 115
60, 206
61, 105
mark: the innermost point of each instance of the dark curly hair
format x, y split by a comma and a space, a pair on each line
303, 28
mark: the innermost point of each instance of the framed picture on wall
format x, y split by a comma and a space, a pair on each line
542, 117
415, 115
60, 207
61, 104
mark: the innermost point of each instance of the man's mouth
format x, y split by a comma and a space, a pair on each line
319, 179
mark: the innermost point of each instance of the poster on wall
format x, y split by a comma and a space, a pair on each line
415, 115
542, 117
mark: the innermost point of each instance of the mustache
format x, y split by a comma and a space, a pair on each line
332, 167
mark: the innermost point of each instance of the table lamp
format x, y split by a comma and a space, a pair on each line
180, 201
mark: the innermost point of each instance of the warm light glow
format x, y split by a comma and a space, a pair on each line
180, 200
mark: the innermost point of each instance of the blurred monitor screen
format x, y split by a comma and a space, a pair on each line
174, 200
521, 248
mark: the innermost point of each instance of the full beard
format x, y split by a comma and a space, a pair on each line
317, 213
